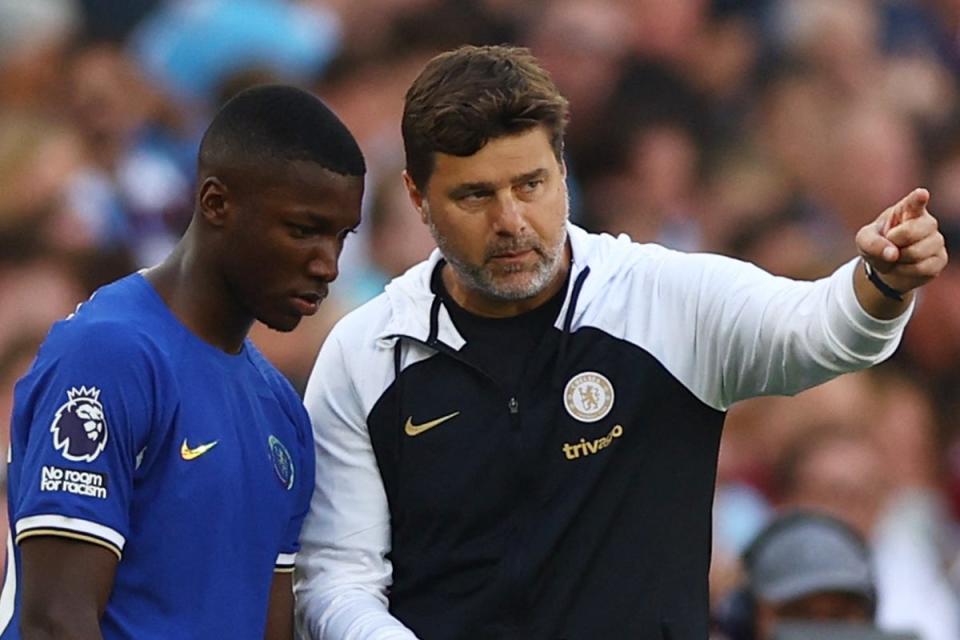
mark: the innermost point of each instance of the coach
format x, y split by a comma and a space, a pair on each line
518, 439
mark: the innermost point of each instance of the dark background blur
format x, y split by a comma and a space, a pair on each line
769, 130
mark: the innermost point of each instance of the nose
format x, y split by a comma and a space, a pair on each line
508, 215
322, 263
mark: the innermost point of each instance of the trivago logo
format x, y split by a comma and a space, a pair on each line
572, 451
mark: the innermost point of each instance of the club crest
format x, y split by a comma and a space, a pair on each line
79, 427
282, 462
588, 396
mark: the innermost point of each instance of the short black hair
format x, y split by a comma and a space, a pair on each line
279, 123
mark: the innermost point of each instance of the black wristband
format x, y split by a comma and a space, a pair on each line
881, 286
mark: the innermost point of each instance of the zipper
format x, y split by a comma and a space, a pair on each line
513, 405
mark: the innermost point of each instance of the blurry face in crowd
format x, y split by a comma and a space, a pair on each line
282, 235
843, 477
817, 607
499, 218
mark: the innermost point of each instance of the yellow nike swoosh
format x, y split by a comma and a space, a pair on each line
416, 429
188, 453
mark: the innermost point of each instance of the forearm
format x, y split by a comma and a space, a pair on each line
757, 334
59, 625
823, 329
280, 608
349, 614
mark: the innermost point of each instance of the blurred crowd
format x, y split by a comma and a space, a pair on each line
768, 130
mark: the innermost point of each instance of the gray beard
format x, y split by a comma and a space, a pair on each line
490, 283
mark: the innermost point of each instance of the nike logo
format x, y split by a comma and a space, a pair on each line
188, 453
416, 429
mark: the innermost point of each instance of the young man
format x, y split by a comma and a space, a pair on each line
518, 439
160, 468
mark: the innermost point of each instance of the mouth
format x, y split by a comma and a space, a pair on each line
307, 303
512, 256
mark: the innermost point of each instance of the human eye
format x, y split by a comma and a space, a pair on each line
474, 197
532, 185
300, 231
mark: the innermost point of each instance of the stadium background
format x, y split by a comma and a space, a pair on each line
769, 130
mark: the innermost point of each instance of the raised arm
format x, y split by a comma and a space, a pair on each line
730, 331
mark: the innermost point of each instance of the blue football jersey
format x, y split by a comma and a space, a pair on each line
194, 466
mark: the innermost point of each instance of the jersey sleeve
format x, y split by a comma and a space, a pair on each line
343, 570
305, 483
80, 418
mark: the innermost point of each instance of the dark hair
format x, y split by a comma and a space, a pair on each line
279, 123
466, 97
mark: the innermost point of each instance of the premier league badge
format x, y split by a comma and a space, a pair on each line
79, 427
282, 462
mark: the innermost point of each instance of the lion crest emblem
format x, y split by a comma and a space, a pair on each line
79, 427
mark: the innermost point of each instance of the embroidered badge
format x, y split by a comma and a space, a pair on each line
588, 396
282, 462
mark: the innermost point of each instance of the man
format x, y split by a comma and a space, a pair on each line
518, 439
160, 468
807, 567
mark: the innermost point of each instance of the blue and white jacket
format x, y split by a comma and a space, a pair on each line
578, 506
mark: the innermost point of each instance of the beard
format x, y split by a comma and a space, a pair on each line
508, 282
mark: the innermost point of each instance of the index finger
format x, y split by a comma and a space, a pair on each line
914, 205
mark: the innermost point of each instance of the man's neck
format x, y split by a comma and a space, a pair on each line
198, 297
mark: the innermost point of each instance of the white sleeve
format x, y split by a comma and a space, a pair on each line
758, 334
342, 574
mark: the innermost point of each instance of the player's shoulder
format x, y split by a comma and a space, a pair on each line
272, 377
101, 338
112, 329
277, 384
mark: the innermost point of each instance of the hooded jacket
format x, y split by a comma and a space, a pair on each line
577, 506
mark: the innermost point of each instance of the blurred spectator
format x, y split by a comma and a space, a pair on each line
134, 190
36, 293
837, 471
33, 37
189, 47
880, 480
37, 157
803, 566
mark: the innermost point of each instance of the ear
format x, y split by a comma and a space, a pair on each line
212, 201
416, 197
